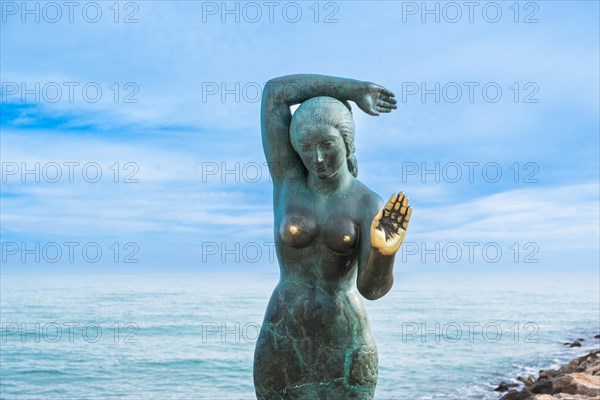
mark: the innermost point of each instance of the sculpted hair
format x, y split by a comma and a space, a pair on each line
329, 111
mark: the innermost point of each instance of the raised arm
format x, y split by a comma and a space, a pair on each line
281, 93
382, 239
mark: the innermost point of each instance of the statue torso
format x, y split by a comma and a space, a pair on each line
317, 236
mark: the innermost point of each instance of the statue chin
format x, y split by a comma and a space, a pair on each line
325, 174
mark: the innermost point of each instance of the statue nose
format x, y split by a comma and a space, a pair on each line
319, 156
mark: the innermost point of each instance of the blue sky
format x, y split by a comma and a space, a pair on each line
157, 119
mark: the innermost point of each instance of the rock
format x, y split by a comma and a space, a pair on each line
562, 396
527, 382
549, 373
597, 337
542, 386
503, 387
577, 380
576, 343
514, 395
578, 383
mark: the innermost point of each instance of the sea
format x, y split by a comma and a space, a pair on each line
192, 336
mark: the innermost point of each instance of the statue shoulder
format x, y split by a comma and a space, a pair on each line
368, 201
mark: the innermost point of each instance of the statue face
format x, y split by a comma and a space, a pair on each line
321, 149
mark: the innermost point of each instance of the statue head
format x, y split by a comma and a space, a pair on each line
322, 133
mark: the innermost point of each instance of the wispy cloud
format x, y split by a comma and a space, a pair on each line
174, 132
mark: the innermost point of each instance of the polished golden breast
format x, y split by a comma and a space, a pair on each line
300, 230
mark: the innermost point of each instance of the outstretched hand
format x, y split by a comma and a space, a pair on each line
374, 99
389, 225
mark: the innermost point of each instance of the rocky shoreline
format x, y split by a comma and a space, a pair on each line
578, 380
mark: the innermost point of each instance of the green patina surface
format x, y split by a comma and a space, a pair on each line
315, 342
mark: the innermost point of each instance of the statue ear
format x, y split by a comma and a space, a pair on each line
348, 106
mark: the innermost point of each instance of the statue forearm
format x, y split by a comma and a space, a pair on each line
386, 235
376, 278
294, 89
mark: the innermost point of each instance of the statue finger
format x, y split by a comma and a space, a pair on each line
378, 216
386, 107
391, 201
407, 218
405, 202
400, 198
390, 101
388, 93
383, 109
387, 104
376, 221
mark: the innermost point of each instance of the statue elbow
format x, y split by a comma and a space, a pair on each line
375, 292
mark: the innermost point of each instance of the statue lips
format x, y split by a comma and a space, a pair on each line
323, 171
326, 168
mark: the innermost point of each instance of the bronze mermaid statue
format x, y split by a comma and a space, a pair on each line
335, 242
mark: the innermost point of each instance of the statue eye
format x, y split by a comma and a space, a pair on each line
327, 144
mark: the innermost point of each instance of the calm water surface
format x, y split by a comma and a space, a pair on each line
192, 337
